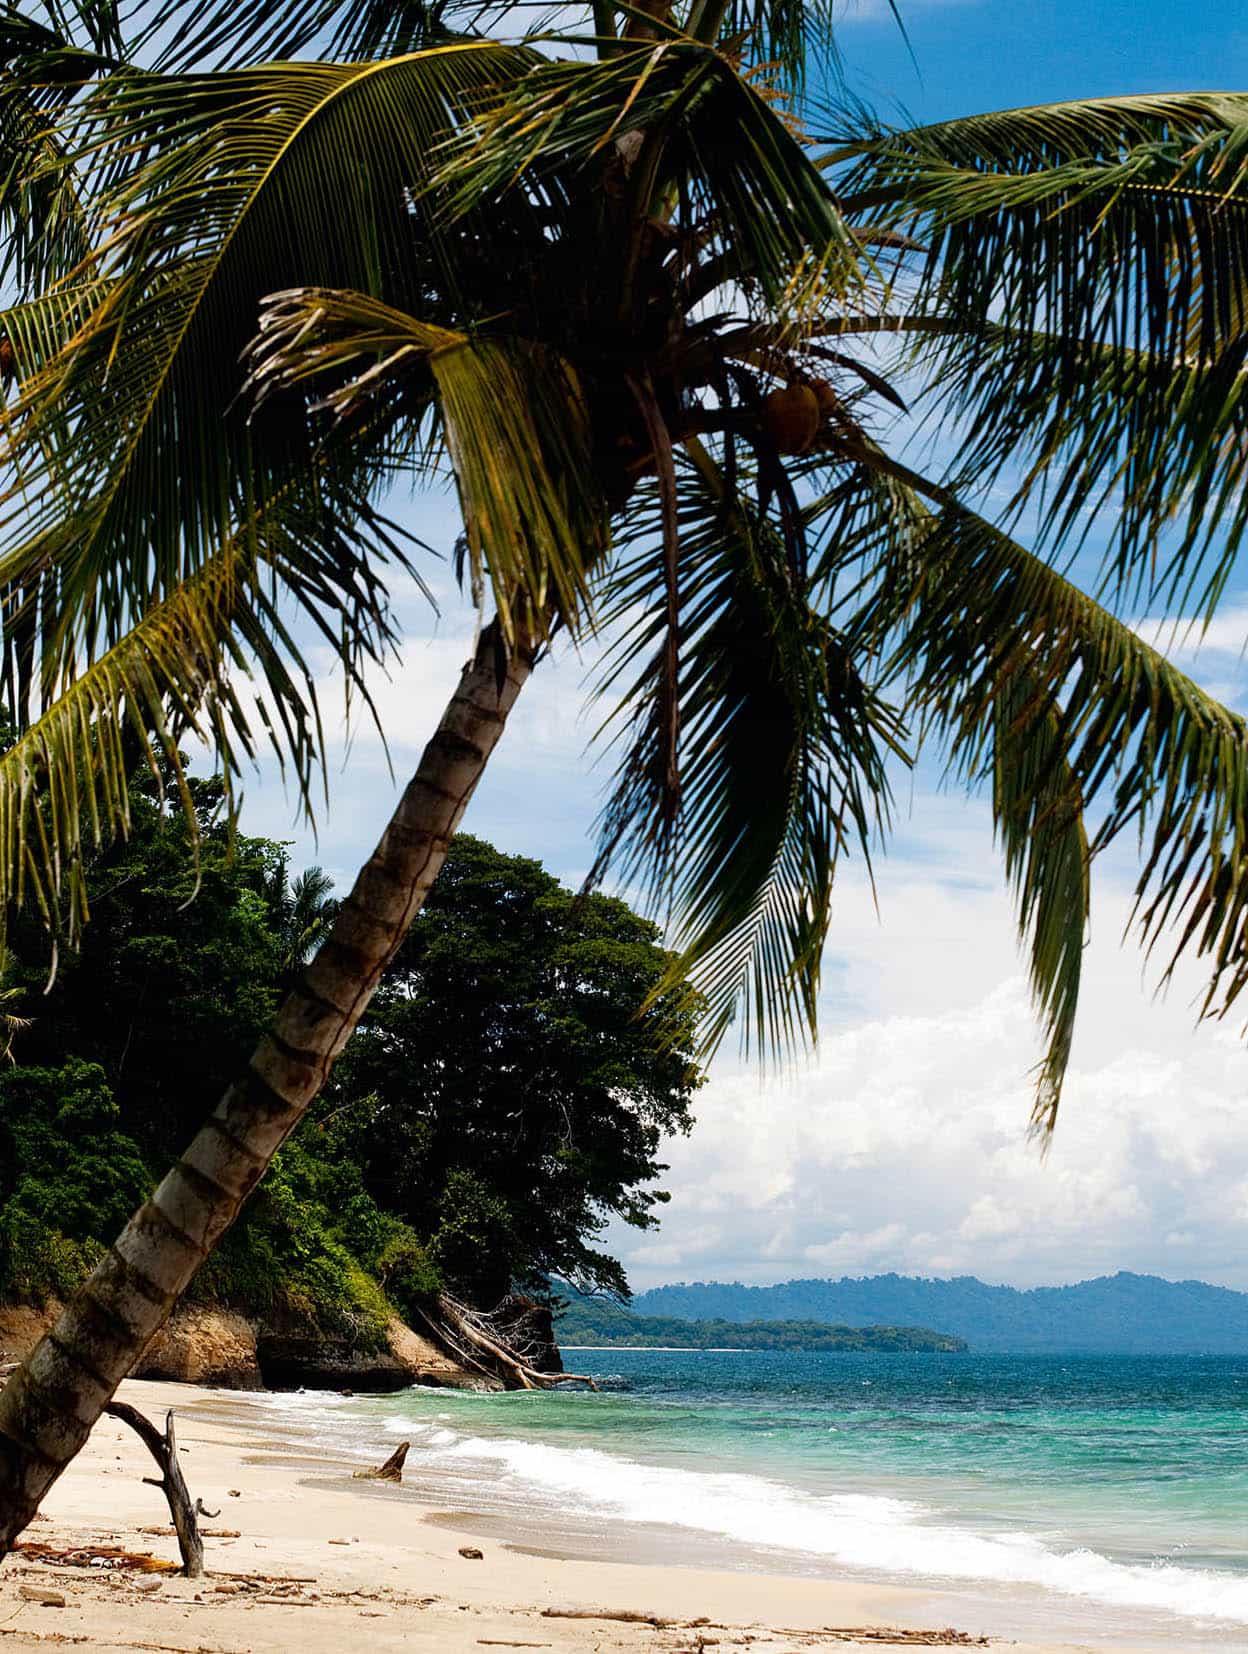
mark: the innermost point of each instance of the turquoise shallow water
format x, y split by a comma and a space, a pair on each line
1115, 1487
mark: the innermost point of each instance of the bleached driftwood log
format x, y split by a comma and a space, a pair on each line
164, 1449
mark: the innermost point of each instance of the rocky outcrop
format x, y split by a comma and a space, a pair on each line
290, 1359
427, 1364
202, 1344
21, 1327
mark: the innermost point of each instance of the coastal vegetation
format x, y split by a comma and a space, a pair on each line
587, 1321
420, 1172
268, 261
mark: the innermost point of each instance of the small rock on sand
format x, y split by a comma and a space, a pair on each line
472, 1553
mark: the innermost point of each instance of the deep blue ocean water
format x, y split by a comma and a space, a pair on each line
1115, 1487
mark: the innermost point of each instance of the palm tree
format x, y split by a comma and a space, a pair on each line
611, 288
302, 909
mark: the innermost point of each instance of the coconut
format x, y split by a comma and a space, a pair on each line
791, 418
827, 398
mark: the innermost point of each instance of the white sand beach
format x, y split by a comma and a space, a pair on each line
304, 1557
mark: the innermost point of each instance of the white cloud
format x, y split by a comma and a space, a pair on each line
850, 1247
1187, 638
877, 11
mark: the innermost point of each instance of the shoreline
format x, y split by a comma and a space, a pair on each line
302, 1554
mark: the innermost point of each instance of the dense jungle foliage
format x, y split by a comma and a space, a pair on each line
589, 1321
506, 1096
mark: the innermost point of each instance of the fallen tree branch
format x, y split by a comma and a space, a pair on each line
624, 1616
442, 1335
893, 1635
467, 1325
164, 1449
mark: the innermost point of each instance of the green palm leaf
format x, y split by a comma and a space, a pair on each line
513, 420
64, 783
1069, 712
189, 32
269, 177
1093, 260
709, 133
781, 762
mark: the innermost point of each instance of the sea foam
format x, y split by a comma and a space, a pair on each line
869, 1532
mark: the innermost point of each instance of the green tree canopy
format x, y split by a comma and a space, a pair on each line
508, 1094
512, 1084
167, 991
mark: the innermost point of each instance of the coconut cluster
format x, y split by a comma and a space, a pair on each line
792, 417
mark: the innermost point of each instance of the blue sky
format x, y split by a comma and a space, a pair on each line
903, 1144
997, 54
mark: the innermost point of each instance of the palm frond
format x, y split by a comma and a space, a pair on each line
994, 643
1155, 450
65, 782
789, 36
42, 207
1094, 260
709, 132
781, 762
1037, 807
216, 660
514, 424
96, 24
187, 33
226, 189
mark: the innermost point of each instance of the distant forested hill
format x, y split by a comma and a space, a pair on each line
1121, 1313
596, 1321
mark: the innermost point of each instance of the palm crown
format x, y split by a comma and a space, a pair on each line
612, 285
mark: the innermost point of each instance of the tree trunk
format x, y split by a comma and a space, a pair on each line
51, 1402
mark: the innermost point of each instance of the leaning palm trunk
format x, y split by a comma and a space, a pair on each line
52, 1401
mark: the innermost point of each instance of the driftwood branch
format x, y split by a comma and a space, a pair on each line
164, 1449
391, 1471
